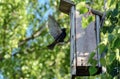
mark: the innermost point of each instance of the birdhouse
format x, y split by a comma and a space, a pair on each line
83, 41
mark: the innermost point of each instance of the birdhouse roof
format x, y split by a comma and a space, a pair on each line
65, 6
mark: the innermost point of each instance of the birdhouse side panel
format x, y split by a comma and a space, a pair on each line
72, 35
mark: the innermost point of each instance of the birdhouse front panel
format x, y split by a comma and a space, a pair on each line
85, 40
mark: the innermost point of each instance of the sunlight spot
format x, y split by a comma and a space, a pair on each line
118, 30
7, 56
1, 76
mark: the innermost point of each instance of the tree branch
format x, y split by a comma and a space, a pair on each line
34, 35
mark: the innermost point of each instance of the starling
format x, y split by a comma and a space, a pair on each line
57, 33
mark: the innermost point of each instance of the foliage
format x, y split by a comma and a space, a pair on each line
24, 36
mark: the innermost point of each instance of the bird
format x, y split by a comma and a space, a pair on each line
58, 33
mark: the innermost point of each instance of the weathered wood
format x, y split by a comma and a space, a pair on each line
72, 50
96, 12
98, 36
85, 40
65, 6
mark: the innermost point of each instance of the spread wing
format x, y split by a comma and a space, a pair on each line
54, 27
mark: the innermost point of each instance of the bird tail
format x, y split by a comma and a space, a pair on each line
51, 46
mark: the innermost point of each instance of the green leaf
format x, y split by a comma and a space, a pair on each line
102, 61
113, 20
92, 70
115, 12
112, 57
84, 22
112, 2
92, 54
110, 37
87, 20
91, 59
104, 29
81, 7
108, 13
91, 18
111, 28
102, 48
93, 62
117, 43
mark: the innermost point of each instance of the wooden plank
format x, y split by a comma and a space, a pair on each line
85, 41
98, 36
65, 6
68, 1
72, 51
96, 12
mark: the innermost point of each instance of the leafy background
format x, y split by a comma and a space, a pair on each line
24, 36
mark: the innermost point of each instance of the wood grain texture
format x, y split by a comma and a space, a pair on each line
85, 40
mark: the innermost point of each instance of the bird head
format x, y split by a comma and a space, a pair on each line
64, 29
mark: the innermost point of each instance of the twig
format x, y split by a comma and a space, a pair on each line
34, 35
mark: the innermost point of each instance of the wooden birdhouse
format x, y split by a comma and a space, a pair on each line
83, 41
